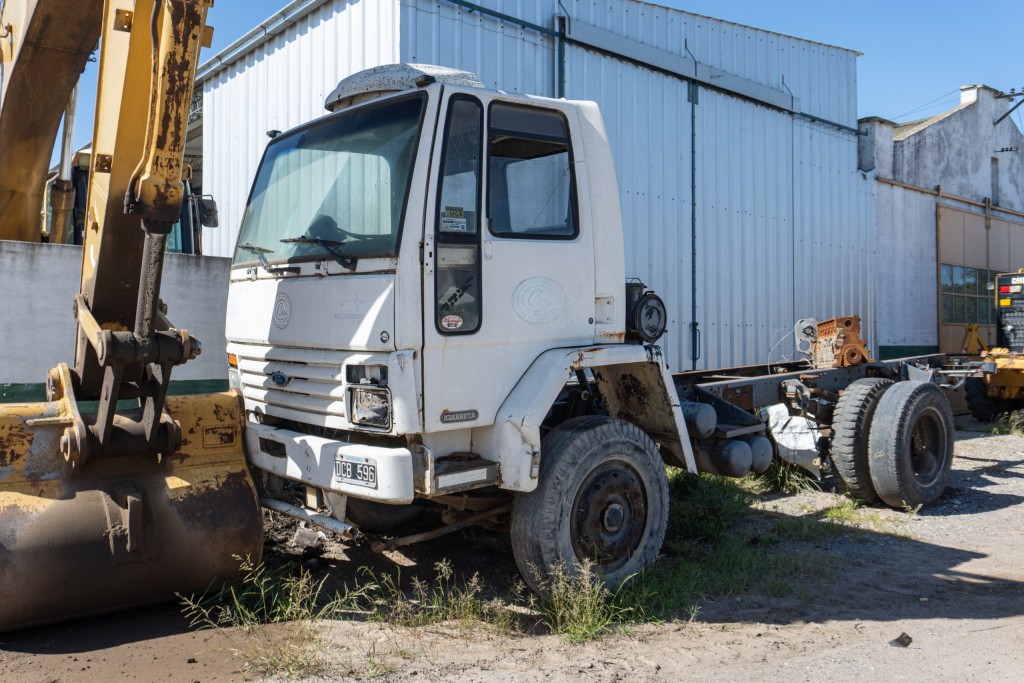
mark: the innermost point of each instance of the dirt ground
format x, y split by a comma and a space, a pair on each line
951, 577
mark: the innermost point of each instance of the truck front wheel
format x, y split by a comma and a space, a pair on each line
602, 497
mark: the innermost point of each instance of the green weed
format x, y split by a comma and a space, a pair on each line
447, 599
785, 477
1009, 423
703, 508
846, 512
270, 619
376, 665
580, 607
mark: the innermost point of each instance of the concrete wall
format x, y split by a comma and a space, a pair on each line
37, 331
956, 151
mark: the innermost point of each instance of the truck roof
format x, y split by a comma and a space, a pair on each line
388, 78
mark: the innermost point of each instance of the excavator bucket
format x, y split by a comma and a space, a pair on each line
120, 530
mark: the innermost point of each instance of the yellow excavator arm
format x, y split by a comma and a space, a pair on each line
105, 508
44, 46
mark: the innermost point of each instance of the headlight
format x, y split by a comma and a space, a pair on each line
371, 407
234, 378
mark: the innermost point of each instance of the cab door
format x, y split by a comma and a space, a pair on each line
507, 254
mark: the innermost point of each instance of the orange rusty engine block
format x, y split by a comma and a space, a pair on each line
839, 344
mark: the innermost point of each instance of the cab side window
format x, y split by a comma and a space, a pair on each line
458, 220
531, 190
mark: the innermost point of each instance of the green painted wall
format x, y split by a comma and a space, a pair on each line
31, 393
890, 352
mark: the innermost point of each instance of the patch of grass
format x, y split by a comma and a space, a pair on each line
785, 477
270, 619
703, 508
1009, 423
579, 607
447, 599
377, 665
912, 510
846, 512
713, 552
806, 528
673, 590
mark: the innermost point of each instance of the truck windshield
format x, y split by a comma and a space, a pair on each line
340, 182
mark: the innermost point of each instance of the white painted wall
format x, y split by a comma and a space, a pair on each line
956, 151
906, 262
39, 282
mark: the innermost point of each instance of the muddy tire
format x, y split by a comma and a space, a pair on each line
981, 405
851, 423
911, 444
378, 518
602, 496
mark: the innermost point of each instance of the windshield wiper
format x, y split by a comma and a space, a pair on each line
260, 251
330, 246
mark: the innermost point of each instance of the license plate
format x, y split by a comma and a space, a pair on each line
350, 469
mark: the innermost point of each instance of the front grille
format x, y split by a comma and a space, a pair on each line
300, 384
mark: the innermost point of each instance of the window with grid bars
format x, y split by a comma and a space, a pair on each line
965, 295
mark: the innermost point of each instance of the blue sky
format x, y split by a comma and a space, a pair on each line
916, 54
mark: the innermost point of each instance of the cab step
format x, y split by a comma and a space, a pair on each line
462, 472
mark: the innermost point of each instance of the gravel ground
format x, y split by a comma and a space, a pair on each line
950, 577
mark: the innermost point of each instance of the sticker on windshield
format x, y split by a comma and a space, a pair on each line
453, 219
451, 322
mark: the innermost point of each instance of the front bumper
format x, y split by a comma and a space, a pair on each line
311, 460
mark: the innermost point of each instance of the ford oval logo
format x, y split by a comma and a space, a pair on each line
279, 378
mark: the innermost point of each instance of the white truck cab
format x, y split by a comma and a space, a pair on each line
418, 276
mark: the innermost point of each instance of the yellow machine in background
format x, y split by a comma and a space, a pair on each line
103, 508
1001, 387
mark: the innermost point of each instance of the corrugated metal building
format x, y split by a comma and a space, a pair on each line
735, 148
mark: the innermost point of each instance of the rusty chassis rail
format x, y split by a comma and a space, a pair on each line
752, 387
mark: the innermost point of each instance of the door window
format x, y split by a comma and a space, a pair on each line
458, 220
531, 193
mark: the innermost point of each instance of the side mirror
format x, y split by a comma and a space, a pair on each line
208, 215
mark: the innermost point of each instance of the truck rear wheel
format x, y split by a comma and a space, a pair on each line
851, 423
982, 406
602, 497
911, 444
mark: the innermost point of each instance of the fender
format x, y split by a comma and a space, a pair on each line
635, 383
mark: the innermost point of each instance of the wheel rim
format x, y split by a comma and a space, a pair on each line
928, 446
609, 515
